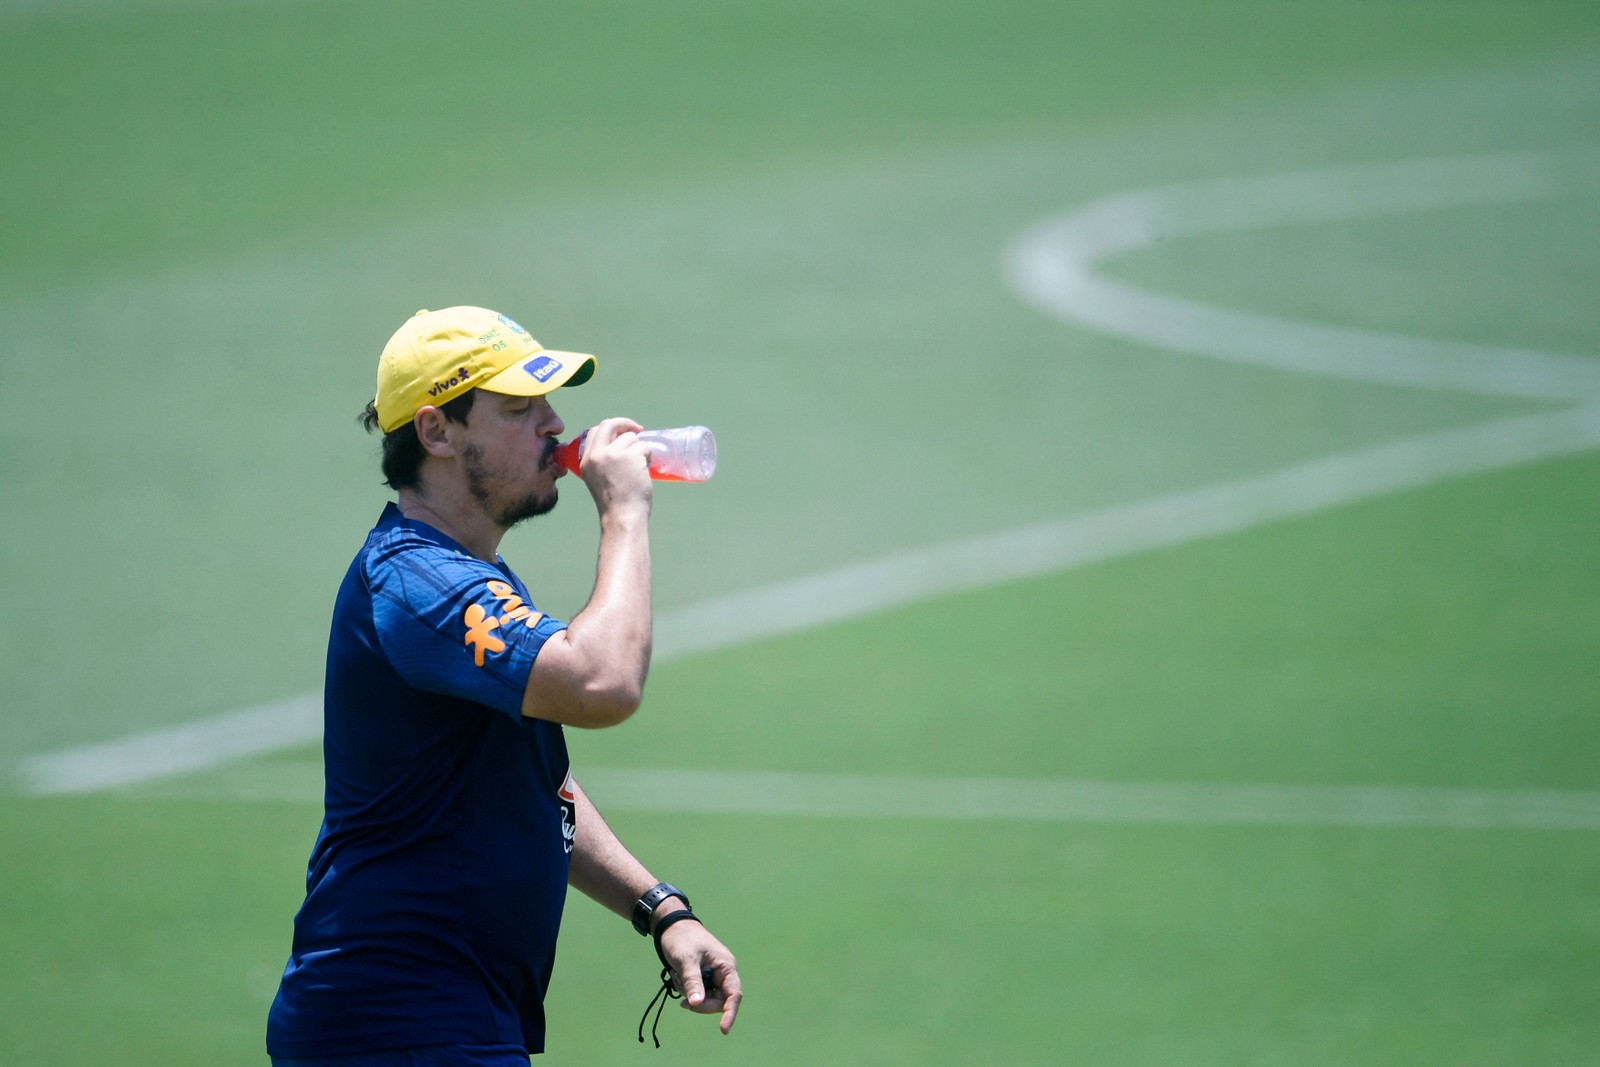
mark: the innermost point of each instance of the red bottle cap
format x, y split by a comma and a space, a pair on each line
568, 453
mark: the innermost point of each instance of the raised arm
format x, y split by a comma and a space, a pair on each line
592, 674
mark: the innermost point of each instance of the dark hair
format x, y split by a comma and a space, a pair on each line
402, 451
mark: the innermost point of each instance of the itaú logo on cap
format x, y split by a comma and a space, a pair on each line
543, 368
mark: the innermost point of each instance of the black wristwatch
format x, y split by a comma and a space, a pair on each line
646, 905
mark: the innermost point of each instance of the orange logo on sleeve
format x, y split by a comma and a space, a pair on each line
512, 607
479, 623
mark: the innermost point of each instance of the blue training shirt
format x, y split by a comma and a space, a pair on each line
435, 889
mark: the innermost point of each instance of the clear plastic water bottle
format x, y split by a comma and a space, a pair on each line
682, 454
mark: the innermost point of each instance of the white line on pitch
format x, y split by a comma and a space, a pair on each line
906, 578
873, 796
1160, 522
1053, 266
175, 750
768, 793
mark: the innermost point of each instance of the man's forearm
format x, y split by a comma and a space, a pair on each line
605, 871
602, 867
615, 625
593, 673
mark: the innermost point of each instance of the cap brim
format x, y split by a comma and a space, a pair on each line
542, 372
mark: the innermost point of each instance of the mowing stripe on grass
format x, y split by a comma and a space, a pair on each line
23, 11
853, 796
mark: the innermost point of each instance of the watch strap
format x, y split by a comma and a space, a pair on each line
646, 905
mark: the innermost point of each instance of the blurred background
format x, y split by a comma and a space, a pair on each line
1148, 610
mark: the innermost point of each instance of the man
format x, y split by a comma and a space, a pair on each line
453, 824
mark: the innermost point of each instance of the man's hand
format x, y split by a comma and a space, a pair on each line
616, 466
690, 950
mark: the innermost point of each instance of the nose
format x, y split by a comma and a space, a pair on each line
550, 424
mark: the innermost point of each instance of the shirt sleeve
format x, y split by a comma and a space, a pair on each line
455, 625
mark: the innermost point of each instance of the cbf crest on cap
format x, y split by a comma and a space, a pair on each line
438, 355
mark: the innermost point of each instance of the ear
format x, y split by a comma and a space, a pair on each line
433, 431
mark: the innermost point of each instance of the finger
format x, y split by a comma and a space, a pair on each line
628, 443
624, 439
611, 429
732, 991
711, 1003
694, 988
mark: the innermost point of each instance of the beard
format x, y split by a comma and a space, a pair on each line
507, 513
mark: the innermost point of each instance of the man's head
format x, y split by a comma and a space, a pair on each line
469, 385
439, 355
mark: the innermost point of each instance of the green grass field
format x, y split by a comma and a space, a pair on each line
798, 224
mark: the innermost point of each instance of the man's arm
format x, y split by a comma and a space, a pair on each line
605, 871
592, 673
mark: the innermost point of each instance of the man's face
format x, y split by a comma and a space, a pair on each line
509, 457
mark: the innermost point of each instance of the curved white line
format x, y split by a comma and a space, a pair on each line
1054, 266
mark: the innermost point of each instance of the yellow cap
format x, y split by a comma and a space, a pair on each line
438, 355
